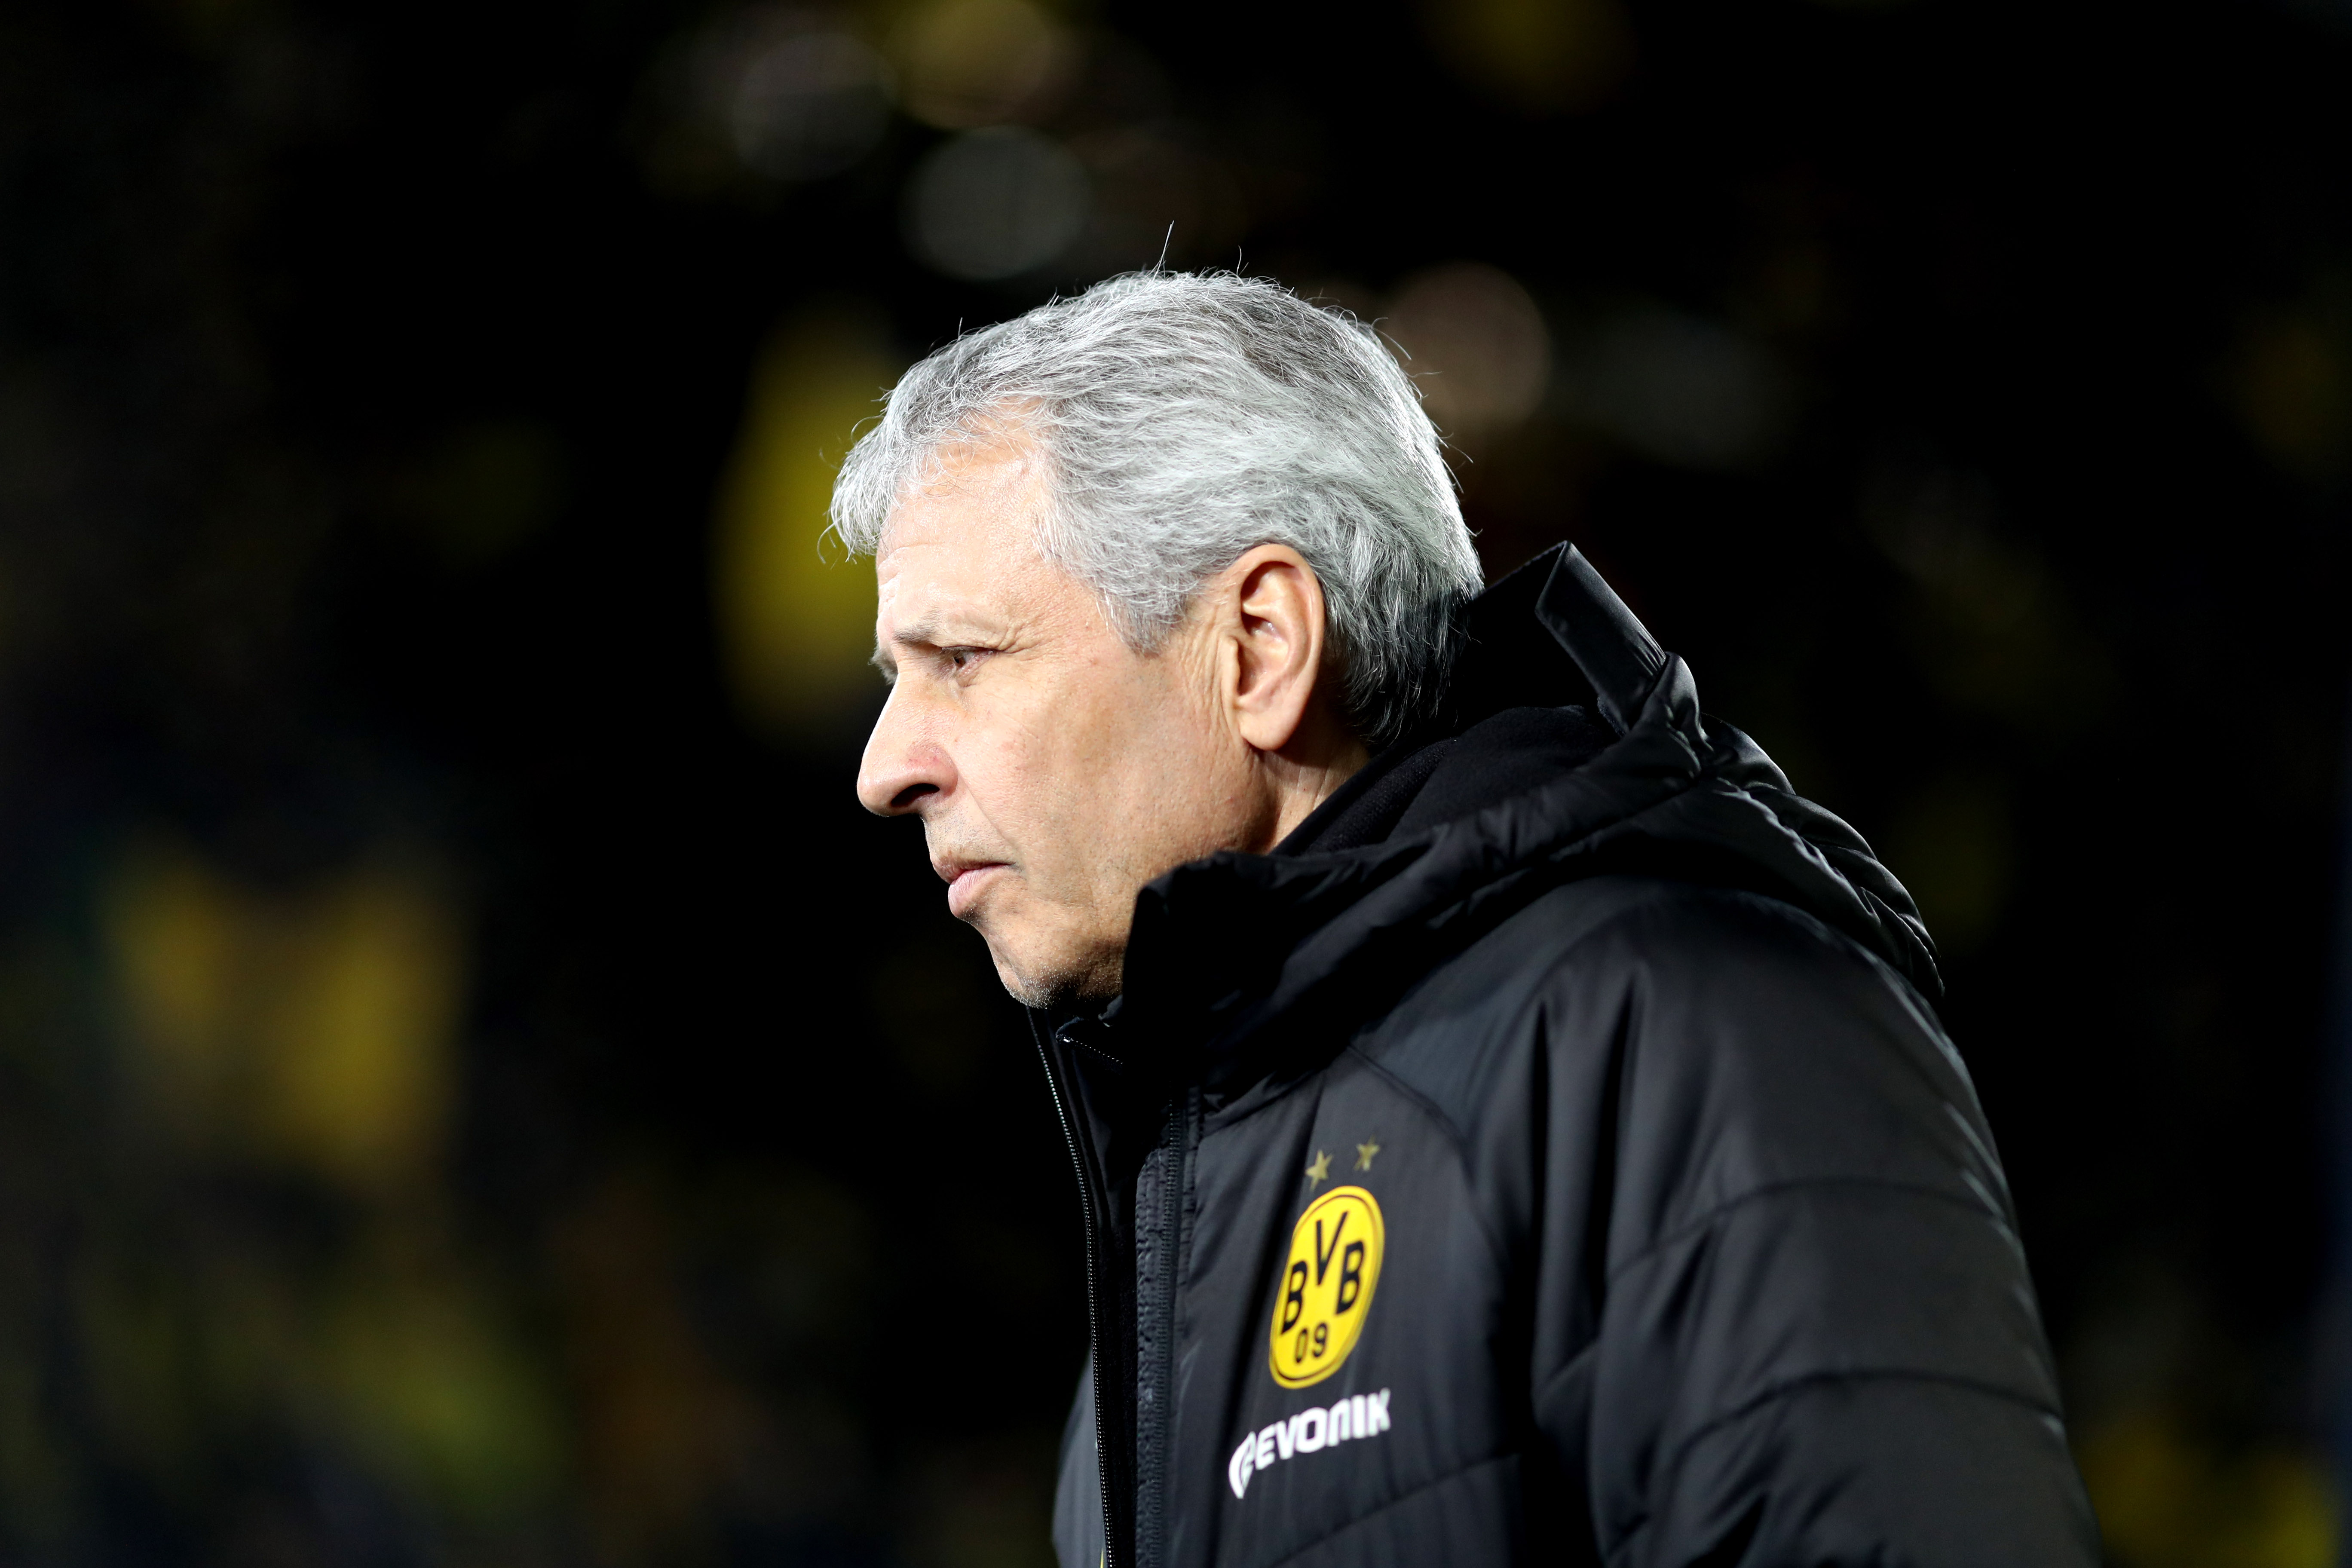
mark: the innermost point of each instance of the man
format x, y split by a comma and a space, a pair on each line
1511, 1124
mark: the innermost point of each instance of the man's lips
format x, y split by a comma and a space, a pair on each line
965, 879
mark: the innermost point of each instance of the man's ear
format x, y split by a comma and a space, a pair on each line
1275, 629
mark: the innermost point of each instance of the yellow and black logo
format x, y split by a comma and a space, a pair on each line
1327, 1287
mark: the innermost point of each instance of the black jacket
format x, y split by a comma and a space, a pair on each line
1549, 1155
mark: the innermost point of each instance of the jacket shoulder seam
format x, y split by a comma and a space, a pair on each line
1782, 912
1669, 894
1549, 968
1691, 1227
1456, 1139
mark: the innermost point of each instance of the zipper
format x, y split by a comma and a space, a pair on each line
1152, 1444
1088, 1200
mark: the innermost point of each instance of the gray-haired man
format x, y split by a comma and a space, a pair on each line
1511, 1123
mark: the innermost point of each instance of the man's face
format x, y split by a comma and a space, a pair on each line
1056, 769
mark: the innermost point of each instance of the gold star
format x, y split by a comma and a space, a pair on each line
1321, 1171
1364, 1152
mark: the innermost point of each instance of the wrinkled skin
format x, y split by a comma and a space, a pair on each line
1056, 769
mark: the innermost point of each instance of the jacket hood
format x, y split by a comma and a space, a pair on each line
1221, 946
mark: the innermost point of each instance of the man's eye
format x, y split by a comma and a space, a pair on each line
963, 659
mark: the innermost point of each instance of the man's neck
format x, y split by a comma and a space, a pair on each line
1301, 785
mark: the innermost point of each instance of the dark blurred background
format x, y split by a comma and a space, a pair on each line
473, 1087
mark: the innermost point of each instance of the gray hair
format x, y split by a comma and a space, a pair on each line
1183, 418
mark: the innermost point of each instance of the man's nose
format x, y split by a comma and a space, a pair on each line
902, 766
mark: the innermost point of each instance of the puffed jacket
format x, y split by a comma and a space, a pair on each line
1550, 1153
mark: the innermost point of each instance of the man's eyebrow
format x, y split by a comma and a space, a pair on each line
918, 635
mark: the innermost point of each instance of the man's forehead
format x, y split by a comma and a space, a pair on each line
936, 561
969, 531
933, 590
999, 476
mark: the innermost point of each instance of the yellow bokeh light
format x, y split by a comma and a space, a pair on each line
2166, 1500
796, 617
964, 64
430, 1381
314, 1028
1538, 55
2291, 382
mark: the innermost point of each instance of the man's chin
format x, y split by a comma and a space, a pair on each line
1043, 999
1054, 987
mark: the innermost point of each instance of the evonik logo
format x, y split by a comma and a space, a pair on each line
1358, 1416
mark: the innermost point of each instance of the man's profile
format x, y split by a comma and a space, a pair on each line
1511, 1123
